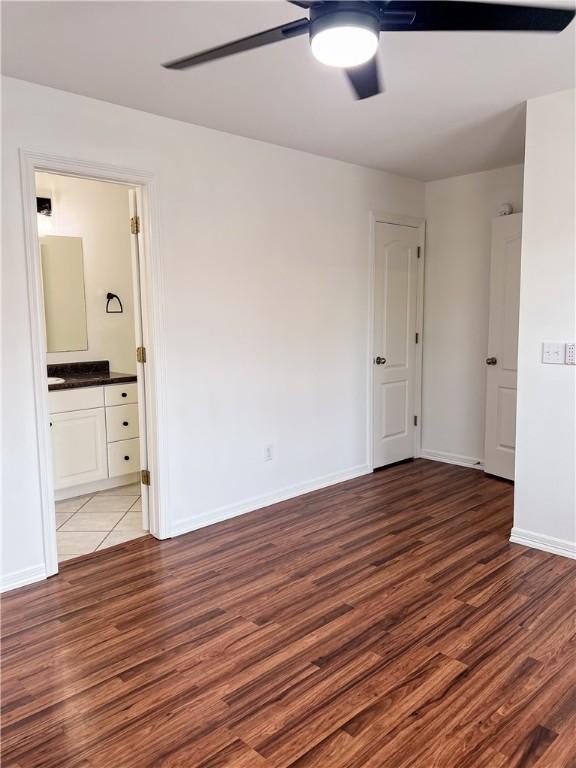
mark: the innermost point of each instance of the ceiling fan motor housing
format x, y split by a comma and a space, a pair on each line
358, 14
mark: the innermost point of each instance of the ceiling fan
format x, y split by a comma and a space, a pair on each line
346, 34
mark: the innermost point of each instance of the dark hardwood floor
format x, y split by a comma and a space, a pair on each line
382, 623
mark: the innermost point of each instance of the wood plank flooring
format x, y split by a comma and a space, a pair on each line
383, 622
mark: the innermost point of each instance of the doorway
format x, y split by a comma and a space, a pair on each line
396, 339
92, 318
139, 426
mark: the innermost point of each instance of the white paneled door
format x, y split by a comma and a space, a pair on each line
394, 359
500, 443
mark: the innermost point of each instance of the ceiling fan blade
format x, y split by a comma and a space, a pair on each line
274, 35
452, 15
364, 79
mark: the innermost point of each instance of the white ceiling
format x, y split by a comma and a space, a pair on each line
453, 101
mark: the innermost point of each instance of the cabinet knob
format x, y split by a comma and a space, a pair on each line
124, 423
50, 423
126, 458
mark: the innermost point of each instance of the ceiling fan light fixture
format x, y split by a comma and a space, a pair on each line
344, 39
344, 46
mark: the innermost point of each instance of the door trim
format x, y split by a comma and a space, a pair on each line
153, 303
381, 217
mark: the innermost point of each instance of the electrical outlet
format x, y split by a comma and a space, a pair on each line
570, 358
553, 352
269, 452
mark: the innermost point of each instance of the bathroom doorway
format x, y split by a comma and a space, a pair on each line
93, 328
92, 268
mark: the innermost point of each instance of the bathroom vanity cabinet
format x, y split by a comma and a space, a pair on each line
95, 435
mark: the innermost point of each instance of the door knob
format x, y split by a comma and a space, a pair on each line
380, 360
491, 360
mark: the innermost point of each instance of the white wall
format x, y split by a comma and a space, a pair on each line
266, 254
459, 213
545, 503
98, 213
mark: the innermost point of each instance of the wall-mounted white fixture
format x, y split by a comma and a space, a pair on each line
558, 353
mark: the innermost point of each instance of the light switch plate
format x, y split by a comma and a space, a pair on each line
570, 358
553, 352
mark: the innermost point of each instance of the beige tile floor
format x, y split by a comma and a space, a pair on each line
98, 520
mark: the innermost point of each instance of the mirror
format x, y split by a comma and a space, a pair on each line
64, 293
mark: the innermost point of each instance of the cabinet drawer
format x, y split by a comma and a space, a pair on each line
121, 422
123, 457
119, 394
75, 399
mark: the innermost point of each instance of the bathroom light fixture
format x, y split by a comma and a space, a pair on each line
110, 297
44, 218
44, 206
345, 38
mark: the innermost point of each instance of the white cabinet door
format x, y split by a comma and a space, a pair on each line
395, 297
502, 360
79, 447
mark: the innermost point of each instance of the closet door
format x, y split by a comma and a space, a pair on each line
394, 362
502, 358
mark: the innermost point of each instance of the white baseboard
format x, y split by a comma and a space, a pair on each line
192, 523
452, 458
545, 543
23, 577
97, 485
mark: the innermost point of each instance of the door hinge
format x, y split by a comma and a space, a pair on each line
135, 225
415, 421
141, 354
145, 477
418, 252
417, 338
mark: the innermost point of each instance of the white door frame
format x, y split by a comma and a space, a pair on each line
152, 296
377, 217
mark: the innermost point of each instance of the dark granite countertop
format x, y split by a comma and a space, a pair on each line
90, 374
